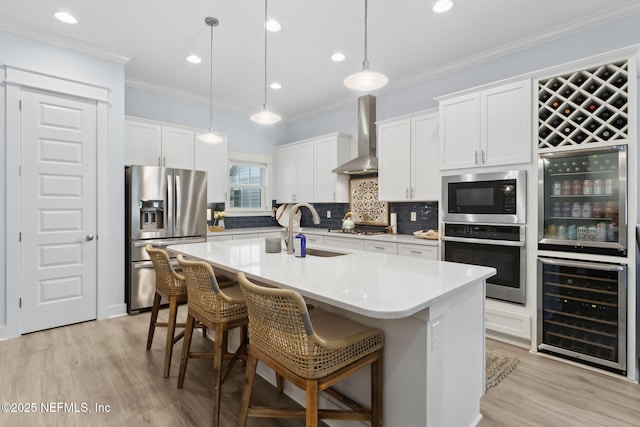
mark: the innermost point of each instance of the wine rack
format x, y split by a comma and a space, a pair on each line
584, 107
583, 311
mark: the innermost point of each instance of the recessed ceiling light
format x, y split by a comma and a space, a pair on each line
65, 17
275, 85
442, 6
194, 59
338, 57
273, 26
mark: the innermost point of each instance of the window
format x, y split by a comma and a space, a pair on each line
245, 186
248, 183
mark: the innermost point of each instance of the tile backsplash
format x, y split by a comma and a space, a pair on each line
426, 216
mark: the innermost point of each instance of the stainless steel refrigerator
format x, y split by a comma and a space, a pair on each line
163, 206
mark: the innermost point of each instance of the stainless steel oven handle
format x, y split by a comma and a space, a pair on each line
582, 264
483, 241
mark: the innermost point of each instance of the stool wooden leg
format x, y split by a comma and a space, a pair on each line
171, 332
188, 332
376, 392
154, 318
249, 376
312, 403
218, 356
279, 383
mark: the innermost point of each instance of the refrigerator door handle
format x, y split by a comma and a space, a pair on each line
178, 204
170, 209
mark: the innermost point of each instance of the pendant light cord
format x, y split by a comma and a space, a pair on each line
366, 61
211, 80
265, 55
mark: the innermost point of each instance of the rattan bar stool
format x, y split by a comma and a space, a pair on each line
170, 285
219, 309
313, 349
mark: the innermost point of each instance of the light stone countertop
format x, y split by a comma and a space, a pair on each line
396, 238
375, 285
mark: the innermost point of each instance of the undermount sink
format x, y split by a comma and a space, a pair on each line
323, 253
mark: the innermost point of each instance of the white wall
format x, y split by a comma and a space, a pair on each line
40, 57
244, 135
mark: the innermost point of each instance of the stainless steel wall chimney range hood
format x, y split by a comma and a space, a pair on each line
366, 162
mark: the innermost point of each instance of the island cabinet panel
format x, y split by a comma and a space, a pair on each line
491, 127
408, 160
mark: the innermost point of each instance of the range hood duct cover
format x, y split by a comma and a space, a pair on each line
366, 162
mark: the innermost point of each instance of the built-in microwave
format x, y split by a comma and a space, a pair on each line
497, 197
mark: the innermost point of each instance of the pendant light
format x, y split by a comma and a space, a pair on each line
211, 136
366, 80
265, 117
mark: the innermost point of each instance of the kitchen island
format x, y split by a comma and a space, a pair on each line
432, 314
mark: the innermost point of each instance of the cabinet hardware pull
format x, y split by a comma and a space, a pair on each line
484, 158
159, 161
379, 247
406, 193
415, 252
476, 156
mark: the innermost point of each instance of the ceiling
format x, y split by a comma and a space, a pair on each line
407, 41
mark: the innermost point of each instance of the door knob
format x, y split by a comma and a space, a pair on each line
88, 237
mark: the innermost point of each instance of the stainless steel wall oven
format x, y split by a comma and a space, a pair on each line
484, 224
498, 246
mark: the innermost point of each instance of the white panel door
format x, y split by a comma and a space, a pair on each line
58, 211
305, 164
460, 132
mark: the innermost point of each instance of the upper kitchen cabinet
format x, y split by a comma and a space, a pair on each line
303, 170
407, 158
491, 127
295, 172
156, 144
212, 158
330, 152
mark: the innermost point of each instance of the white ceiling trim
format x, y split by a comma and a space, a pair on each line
64, 42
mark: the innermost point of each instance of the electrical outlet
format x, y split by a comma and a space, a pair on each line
328, 214
413, 216
435, 335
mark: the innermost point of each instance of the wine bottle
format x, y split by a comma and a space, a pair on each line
592, 88
567, 111
620, 122
579, 99
619, 81
606, 134
604, 114
592, 107
604, 95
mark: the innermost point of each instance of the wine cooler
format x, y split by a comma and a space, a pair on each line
582, 312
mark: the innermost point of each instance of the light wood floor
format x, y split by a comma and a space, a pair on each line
545, 392
105, 362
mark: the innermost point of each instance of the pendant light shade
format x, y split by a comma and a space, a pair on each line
265, 117
366, 80
211, 136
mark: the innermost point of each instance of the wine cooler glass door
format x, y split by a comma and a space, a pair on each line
583, 197
582, 311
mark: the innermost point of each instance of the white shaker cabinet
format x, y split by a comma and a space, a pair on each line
143, 143
407, 158
156, 144
295, 172
491, 127
178, 147
303, 170
330, 152
212, 158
